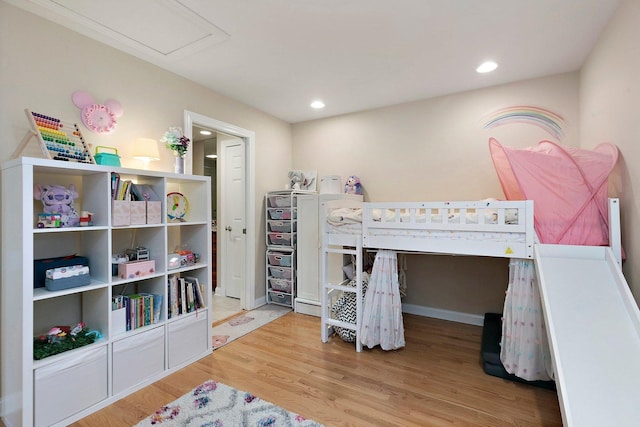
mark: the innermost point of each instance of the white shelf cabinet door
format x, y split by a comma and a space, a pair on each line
70, 385
137, 358
187, 339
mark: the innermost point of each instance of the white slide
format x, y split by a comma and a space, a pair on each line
593, 324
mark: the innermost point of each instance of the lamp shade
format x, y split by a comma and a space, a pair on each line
146, 149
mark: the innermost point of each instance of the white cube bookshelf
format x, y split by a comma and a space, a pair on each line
119, 362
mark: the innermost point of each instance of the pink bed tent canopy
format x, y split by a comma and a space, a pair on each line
569, 187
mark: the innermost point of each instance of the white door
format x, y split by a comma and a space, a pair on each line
234, 228
227, 195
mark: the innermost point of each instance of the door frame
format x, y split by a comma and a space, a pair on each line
248, 294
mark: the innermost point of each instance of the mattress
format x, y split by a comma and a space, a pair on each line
490, 352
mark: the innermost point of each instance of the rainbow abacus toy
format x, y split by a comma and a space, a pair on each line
58, 140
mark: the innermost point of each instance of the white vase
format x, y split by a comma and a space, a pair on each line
179, 164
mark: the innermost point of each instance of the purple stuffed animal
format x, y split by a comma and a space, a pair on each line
353, 186
57, 199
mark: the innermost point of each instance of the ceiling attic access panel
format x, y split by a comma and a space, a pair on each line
161, 28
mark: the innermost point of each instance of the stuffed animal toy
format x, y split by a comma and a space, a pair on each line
353, 186
57, 199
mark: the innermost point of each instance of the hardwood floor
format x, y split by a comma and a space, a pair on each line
436, 380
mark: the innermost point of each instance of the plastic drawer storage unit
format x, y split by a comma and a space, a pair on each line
281, 239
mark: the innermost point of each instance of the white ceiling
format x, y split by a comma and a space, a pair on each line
279, 55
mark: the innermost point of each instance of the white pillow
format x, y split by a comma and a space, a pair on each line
349, 271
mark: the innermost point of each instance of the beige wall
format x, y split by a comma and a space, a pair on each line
44, 63
610, 112
428, 150
437, 149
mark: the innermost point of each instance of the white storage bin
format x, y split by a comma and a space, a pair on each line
119, 321
331, 184
280, 285
137, 358
279, 259
138, 212
70, 385
280, 239
282, 226
280, 272
287, 213
280, 298
188, 338
280, 201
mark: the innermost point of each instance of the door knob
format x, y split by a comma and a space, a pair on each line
228, 228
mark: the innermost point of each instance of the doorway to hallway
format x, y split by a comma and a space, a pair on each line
232, 176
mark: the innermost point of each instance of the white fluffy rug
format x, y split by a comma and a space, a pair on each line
214, 404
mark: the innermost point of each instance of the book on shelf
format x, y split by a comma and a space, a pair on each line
173, 292
115, 182
143, 309
198, 292
157, 308
183, 296
190, 300
127, 190
118, 302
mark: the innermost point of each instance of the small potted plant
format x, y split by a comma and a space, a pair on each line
175, 141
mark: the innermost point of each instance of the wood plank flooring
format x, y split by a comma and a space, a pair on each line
436, 380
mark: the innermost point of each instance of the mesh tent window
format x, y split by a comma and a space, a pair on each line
569, 187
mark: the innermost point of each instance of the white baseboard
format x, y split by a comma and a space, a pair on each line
437, 313
259, 302
309, 307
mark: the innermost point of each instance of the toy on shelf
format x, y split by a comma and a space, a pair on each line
353, 186
58, 140
63, 338
57, 199
301, 180
85, 218
49, 220
177, 206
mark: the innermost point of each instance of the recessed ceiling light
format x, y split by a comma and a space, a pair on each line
487, 67
205, 132
317, 104
211, 156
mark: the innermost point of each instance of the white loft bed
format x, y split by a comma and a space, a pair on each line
505, 229
483, 228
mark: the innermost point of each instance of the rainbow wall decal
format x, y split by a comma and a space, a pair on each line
545, 119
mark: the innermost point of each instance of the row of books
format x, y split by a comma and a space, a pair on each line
185, 295
141, 309
127, 190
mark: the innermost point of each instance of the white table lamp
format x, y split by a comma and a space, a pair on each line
146, 149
